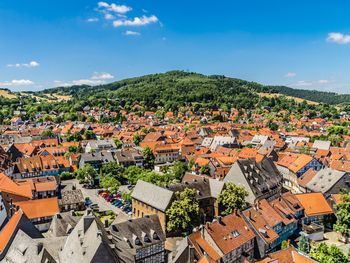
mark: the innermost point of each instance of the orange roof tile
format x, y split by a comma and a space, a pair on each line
314, 204
201, 244
9, 229
9, 186
39, 207
222, 233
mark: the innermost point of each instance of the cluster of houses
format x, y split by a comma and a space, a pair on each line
293, 183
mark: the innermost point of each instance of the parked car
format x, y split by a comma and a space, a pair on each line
88, 202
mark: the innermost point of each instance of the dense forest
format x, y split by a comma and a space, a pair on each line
185, 87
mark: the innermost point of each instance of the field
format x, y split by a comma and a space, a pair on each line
299, 100
7, 94
48, 97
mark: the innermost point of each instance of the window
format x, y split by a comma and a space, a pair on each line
235, 233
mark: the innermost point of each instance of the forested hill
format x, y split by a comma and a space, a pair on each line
177, 88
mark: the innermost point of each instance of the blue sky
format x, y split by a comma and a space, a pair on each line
302, 44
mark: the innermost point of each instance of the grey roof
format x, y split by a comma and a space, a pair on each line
24, 249
200, 185
181, 254
322, 145
259, 139
102, 144
62, 224
324, 180
127, 155
69, 197
257, 178
152, 195
216, 187
135, 234
207, 141
103, 156
222, 140
53, 245
87, 243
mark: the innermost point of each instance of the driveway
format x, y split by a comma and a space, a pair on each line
96, 199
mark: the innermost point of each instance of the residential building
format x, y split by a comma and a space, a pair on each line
96, 160
228, 239
129, 157
40, 211
71, 200
140, 240
96, 146
262, 180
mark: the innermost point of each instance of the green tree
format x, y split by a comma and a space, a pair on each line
66, 176
115, 170
272, 125
183, 213
109, 182
126, 196
132, 174
284, 244
118, 143
47, 133
329, 254
137, 139
86, 173
74, 137
179, 169
232, 198
89, 135
205, 169
148, 158
72, 149
343, 216
303, 244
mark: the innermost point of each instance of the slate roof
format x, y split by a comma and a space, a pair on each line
135, 234
88, 242
152, 195
24, 249
258, 178
323, 145
99, 156
71, 197
324, 180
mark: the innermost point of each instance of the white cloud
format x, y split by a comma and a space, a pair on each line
315, 83
323, 81
290, 75
109, 16
96, 79
92, 19
137, 21
120, 9
31, 64
103, 4
131, 33
339, 38
79, 82
17, 82
102, 75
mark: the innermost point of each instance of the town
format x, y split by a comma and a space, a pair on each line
136, 131
218, 186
